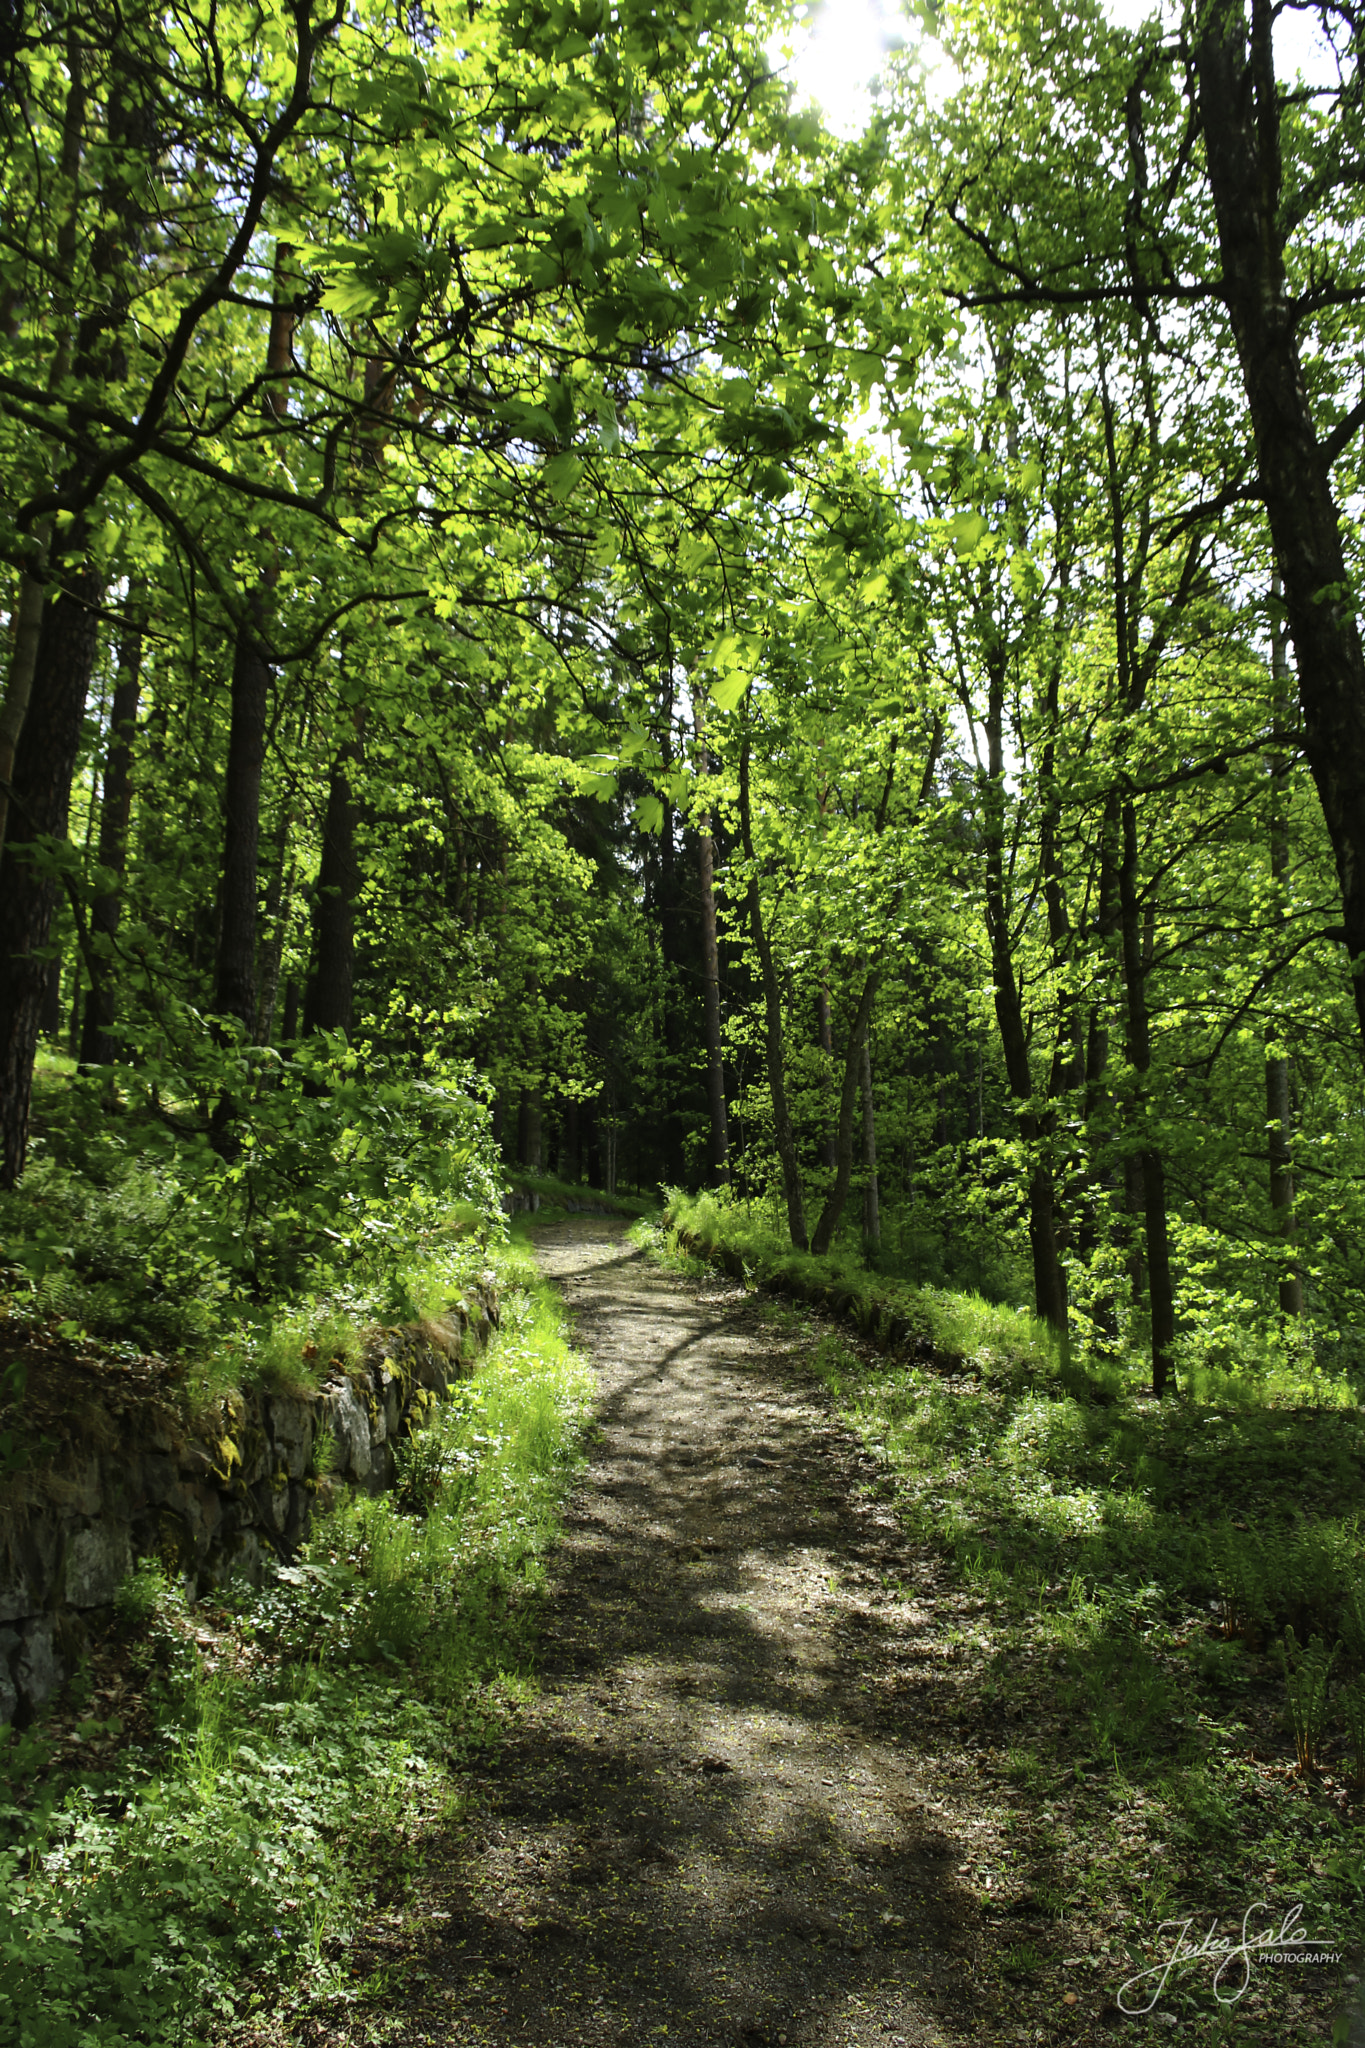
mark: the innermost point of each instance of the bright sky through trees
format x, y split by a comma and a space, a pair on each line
838, 48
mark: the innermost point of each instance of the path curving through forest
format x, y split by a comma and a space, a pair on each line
723, 1817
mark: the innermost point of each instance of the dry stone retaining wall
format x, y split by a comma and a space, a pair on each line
211, 1502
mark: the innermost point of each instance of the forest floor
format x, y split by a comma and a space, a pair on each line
756, 1796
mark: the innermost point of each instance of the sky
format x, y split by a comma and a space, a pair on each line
838, 49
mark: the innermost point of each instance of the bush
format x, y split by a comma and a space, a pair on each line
344, 1177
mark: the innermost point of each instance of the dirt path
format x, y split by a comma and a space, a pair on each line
725, 1817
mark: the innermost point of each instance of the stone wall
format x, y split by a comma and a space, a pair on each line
215, 1497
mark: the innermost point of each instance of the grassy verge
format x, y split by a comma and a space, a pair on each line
1157, 1614
190, 1845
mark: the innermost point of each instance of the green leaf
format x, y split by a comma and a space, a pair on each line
561, 473
727, 691
352, 297
968, 530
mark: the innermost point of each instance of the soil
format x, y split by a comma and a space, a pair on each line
742, 1806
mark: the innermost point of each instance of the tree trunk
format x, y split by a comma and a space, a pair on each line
671, 914
719, 1147
98, 1046
848, 1098
1240, 120
28, 615
1049, 1275
608, 1134
772, 1018
1160, 1290
279, 903
1135, 1208
50, 1023
28, 627
1101, 1173
529, 1134
824, 1025
235, 990
1277, 1092
872, 1222
331, 992
1277, 1110
44, 765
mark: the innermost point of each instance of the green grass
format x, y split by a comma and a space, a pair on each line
999, 1339
214, 1873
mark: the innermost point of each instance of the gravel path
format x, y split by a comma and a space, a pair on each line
719, 1820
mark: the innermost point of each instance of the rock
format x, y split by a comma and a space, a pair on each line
272, 1499
86, 1494
351, 1428
9, 1696
234, 1500
37, 1672
32, 1576
97, 1558
292, 1425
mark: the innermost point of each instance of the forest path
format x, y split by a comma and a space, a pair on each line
715, 1822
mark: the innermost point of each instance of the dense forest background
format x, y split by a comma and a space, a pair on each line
560, 617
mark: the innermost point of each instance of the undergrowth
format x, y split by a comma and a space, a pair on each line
303, 1736
348, 1180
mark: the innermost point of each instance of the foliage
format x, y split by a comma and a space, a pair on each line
609, 493
130, 1229
1307, 1671
996, 1338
